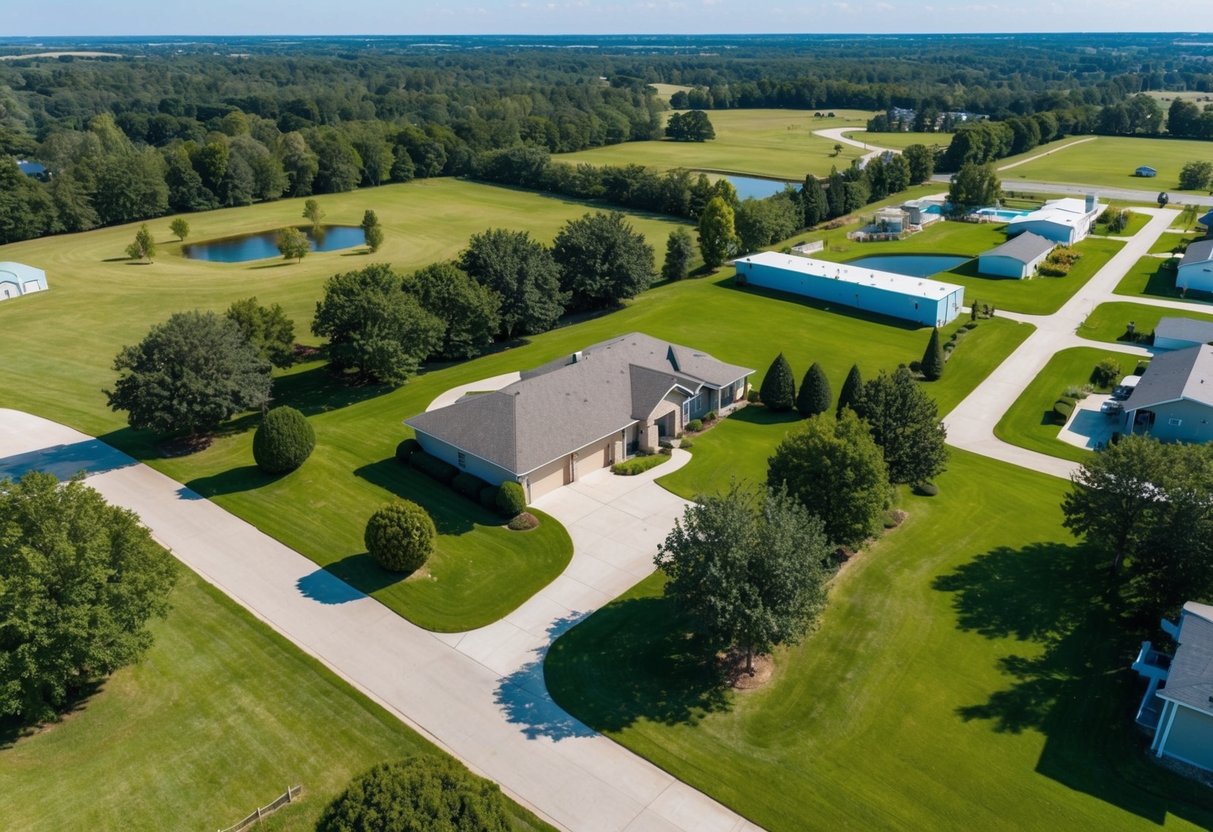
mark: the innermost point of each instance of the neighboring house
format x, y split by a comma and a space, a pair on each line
1178, 705
1018, 257
18, 279
811, 247
1145, 171
1064, 221
581, 413
1174, 400
1195, 272
917, 299
1207, 222
1181, 333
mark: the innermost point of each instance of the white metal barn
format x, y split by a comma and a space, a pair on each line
18, 279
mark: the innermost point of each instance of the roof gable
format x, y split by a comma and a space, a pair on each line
1171, 376
1025, 248
1198, 252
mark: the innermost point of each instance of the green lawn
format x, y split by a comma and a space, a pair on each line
900, 141
1168, 240
1029, 422
967, 675
1151, 277
1137, 221
775, 143
739, 446
1110, 161
1108, 321
1038, 296
218, 719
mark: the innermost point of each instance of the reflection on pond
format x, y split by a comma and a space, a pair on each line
265, 244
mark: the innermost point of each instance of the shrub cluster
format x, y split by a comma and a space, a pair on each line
639, 464
1059, 261
468, 485
1062, 408
434, 467
283, 441
695, 425
511, 501
406, 449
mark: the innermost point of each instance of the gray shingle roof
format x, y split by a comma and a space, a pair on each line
568, 403
1199, 252
1185, 329
1025, 248
1182, 374
1190, 679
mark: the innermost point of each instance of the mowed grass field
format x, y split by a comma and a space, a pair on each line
967, 674
1109, 321
1153, 277
1110, 161
900, 140
773, 143
219, 718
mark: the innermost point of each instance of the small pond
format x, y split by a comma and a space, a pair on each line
913, 265
752, 186
260, 246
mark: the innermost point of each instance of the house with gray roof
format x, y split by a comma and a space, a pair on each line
1174, 399
1181, 333
1195, 272
1018, 257
581, 412
1178, 704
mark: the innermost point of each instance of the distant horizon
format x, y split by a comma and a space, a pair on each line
9, 38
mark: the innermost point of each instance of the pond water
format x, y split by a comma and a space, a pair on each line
752, 186
260, 246
912, 265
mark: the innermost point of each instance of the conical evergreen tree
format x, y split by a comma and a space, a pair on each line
852, 390
778, 389
932, 359
815, 395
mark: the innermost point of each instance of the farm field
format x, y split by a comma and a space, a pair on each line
967, 674
219, 718
1109, 161
774, 143
1029, 423
1107, 322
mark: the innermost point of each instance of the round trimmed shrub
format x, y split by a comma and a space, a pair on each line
420, 792
406, 449
283, 441
695, 425
511, 500
400, 536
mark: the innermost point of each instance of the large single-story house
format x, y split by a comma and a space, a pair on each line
18, 279
1195, 272
1145, 171
1018, 257
1174, 400
1178, 705
917, 299
1181, 333
1064, 221
581, 412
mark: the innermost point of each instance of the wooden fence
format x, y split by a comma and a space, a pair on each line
292, 794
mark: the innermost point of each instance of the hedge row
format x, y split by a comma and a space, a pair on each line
1062, 409
507, 499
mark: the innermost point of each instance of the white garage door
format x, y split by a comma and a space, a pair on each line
31, 286
548, 478
594, 457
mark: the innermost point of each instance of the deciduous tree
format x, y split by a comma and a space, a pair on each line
468, 309
717, 235
180, 228
905, 424
679, 250
293, 244
523, 273
603, 260
267, 328
144, 246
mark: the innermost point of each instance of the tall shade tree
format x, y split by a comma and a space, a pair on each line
778, 389
377, 332
79, 582
679, 250
603, 260
921, 160
835, 469
468, 309
693, 126
815, 395
717, 236
852, 390
974, 185
267, 328
522, 272
746, 578
933, 359
188, 375
905, 424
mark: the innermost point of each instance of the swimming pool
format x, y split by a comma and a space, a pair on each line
911, 265
1004, 214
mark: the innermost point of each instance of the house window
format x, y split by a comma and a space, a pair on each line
686, 410
1173, 422
463, 462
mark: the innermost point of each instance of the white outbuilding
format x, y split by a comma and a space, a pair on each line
1018, 257
1064, 221
17, 279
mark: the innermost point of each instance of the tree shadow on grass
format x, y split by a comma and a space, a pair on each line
452, 513
347, 580
524, 698
13, 730
316, 390
1072, 681
633, 660
759, 415
244, 478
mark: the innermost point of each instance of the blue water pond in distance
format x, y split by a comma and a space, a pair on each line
913, 265
756, 188
260, 246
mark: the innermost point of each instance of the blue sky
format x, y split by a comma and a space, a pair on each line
317, 17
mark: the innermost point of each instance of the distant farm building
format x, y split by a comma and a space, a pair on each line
923, 301
1145, 171
1195, 271
1064, 221
18, 279
1018, 257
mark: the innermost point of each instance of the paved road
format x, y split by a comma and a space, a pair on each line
1013, 165
479, 695
1126, 194
839, 134
971, 423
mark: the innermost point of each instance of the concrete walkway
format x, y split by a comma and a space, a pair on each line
1043, 155
839, 134
971, 423
478, 695
486, 385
